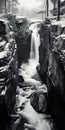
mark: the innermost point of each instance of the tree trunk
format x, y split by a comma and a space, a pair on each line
47, 8
54, 4
5, 7
58, 18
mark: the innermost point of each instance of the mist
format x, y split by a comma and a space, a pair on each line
30, 8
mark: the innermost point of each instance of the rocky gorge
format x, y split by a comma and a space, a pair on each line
52, 70
38, 90
31, 94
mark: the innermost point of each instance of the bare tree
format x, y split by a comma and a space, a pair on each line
14, 5
54, 3
47, 2
3, 8
5, 3
58, 10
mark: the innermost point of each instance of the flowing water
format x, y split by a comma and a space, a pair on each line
29, 69
35, 43
34, 121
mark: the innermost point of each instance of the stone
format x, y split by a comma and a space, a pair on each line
4, 117
43, 52
52, 72
20, 80
23, 40
38, 101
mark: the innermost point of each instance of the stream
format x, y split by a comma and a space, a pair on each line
29, 118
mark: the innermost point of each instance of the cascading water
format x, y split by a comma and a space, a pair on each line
35, 42
29, 69
32, 83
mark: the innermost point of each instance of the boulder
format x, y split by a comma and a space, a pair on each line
20, 80
38, 101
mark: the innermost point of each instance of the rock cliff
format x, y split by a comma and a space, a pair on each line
52, 71
8, 72
23, 40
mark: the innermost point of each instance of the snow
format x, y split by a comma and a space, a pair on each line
61, 36
61, 22
3, 54
2, 43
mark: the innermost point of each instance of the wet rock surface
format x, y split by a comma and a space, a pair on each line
38, 99
8, 72
31, 96
43, 52
23, 40
52, 71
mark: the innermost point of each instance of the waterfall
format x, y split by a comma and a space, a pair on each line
29, 70
35, 42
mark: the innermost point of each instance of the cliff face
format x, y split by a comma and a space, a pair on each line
43, 52
52, 72
8, 72
23, 40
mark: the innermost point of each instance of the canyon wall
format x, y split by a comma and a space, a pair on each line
8, 72
52, 72
23, 40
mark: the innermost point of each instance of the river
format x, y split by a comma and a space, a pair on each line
31, 119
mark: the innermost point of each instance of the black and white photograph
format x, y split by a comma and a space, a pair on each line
32, 64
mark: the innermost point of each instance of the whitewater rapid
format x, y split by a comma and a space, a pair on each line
34, 120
